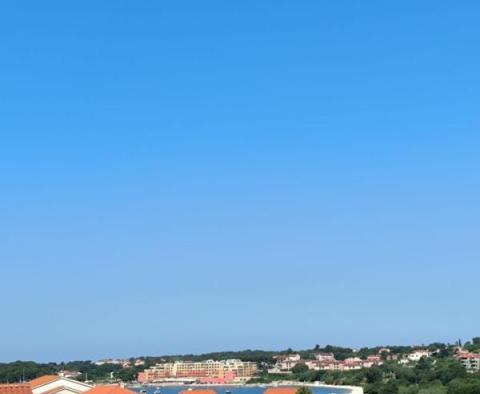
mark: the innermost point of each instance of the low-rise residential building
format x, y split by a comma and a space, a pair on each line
351, 363
123, 362
315, 364
69, 374
418, 354
324, 357
471, 361
285, 362
373, 360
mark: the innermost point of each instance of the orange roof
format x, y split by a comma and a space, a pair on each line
199, 391
281, 390
43, 380
109, 389
15, 389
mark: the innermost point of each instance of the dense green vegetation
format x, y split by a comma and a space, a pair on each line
440, 374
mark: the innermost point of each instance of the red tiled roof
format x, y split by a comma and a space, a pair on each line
281, 390
15, 389
468, 355
109, 389
43, 380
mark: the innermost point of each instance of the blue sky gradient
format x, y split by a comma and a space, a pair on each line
198, 176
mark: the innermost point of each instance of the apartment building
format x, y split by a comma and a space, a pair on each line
470, 361
217, 371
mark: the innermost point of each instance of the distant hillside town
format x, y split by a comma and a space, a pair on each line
440, 368
237, 371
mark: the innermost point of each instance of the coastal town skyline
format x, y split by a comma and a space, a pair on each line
250, 367
207, 354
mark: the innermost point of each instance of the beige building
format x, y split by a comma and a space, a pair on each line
200, 369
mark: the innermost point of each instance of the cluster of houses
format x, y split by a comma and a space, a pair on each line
326, 361
125, 363
323, 361
57, 384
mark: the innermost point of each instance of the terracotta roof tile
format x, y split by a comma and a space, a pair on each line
281, 390
43, 380
109, 389
15, 389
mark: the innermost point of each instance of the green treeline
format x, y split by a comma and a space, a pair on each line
439, 374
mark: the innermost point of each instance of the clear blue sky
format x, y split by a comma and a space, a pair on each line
190, 176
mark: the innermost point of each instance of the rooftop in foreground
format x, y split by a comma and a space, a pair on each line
198, 391
109, 389
43, 380
281, 390
15, 389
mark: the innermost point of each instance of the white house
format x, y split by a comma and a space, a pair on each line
324, 357
54, 384
286, 362
418, 354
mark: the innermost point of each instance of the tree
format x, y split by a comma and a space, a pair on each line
299, 368
464, 387
304, 390
389, 388
373, 375
435, 389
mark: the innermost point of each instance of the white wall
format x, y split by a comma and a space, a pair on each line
70, 386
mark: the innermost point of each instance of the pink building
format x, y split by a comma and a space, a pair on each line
229, 377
